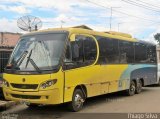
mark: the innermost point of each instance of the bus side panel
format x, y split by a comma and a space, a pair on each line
102, 79
88, 76
59, 97
147, 72
98, 79
112, 75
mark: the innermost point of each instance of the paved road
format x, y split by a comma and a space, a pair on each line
146, 102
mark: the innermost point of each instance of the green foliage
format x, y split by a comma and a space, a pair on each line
157, 37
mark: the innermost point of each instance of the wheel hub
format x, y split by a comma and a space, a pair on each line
78, 100
132, 88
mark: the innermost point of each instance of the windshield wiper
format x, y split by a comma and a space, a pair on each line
20, 60
28, 58
34, 65
32, 62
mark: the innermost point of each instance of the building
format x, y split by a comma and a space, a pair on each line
7, 42
9, 39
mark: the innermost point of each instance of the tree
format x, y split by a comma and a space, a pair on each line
157, 38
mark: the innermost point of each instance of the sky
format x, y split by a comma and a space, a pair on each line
140, 18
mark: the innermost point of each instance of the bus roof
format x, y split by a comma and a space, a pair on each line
71, 30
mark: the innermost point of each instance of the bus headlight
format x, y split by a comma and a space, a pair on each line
48, 83
5, 83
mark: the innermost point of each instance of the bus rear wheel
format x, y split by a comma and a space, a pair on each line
78, 99
139, 87
132, 89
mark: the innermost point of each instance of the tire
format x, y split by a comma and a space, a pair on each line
139, 87
77, 102
132, 89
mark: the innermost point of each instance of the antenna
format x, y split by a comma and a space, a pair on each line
29, 23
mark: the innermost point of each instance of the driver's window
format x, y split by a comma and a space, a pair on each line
81, 52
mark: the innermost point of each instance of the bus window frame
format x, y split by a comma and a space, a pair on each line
69, 40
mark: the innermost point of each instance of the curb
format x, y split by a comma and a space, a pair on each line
7, 104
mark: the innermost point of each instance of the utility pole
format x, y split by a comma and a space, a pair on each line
111, 20
111, 17
119, 25
62, 22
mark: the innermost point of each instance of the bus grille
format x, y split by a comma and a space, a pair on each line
26, 96
24, 86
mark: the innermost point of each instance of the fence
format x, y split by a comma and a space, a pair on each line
4, 56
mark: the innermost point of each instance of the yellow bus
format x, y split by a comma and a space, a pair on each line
68, 65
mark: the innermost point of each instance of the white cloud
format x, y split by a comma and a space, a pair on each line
150, 37
9, 25
128, 23
17, 9
61, 5
68, 13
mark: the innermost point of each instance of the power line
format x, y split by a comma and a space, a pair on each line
111, 17
121, 12
148, 4
140, 5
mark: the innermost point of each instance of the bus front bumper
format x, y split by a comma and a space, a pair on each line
40, 97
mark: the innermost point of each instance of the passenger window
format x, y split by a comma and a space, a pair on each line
114, 51
126, 52
109, 52
151, 54
83, 51
90, 50
141, 53
87, 50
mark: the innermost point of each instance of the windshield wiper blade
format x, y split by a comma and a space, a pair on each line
34, 65
28, 58
20, 59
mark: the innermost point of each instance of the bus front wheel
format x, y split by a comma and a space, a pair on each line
77, 102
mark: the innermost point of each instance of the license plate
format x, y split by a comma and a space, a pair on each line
25, 102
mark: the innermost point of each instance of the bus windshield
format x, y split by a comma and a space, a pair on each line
38, 52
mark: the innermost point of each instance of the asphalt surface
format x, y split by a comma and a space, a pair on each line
146, 102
